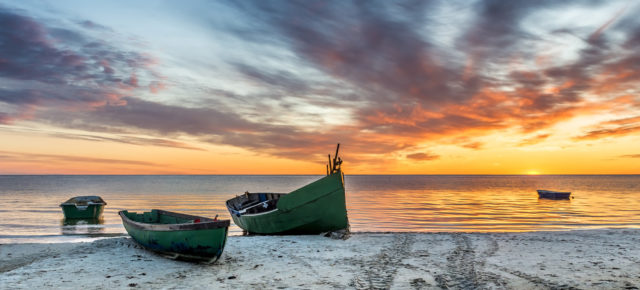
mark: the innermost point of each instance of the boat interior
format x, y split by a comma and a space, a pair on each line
163, 217
253, 203
256, 203
84, 200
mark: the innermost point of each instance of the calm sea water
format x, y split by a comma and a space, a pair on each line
29, 210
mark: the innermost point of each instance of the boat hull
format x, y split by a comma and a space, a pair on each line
93, 211
83, 207
204, 240
546, 194
315, 208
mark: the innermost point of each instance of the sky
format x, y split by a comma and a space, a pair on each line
270, 87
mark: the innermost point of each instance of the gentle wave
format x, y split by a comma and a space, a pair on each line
30, 210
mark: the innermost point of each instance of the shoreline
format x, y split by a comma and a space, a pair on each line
599, 258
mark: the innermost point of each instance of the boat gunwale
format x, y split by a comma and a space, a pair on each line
258, 214
551, 191
76, 205
205, 223
231, 209
276, 208
91, 199
228, 202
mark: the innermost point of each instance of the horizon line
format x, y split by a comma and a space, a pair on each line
391, 174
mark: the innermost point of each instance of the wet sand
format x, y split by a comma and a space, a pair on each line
590, 259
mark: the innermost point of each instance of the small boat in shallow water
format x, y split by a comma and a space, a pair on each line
312, 209
176, 235
548, 194
83, 207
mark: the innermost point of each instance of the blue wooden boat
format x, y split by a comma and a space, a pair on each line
548, 194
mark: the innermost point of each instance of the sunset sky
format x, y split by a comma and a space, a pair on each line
270, 87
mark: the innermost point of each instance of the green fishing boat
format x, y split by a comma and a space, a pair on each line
83, 207
312, 209
176, 235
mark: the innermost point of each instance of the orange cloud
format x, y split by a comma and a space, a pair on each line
614, 132
52, 158
423, 156
473, 145
534, 140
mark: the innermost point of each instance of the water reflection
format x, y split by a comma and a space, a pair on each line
429, 207
90, 227
29, 204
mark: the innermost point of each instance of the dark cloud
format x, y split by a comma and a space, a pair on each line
276, 79
167, 119
366, 43
67, 97
59, 69
29, 50
92, 25
25, 43
496, 27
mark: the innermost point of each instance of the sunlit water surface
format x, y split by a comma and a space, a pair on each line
30, 212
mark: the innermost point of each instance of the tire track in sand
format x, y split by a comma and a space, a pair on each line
379, 272
460, 268
464, 270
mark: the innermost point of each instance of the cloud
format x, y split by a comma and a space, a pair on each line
20, 157
534, 140
167, 119
624, 121
630, 156
34, 51
474, 145
58, 67
130, 140
383, 56
395, 74
609, 132
423, 156
612, 128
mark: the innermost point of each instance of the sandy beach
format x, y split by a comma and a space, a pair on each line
589, 259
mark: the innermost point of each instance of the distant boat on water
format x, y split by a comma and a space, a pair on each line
548, 194
312, 209
83, 207
177, 235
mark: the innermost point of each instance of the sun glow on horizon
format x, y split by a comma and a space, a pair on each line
533, 172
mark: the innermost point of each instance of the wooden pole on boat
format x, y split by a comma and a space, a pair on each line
330, 168
327, 169
335, 157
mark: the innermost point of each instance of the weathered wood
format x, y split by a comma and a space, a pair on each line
315, 208
176, 234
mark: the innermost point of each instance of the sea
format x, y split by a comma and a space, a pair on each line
30, 212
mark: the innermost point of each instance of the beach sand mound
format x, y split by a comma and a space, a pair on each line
602, 259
